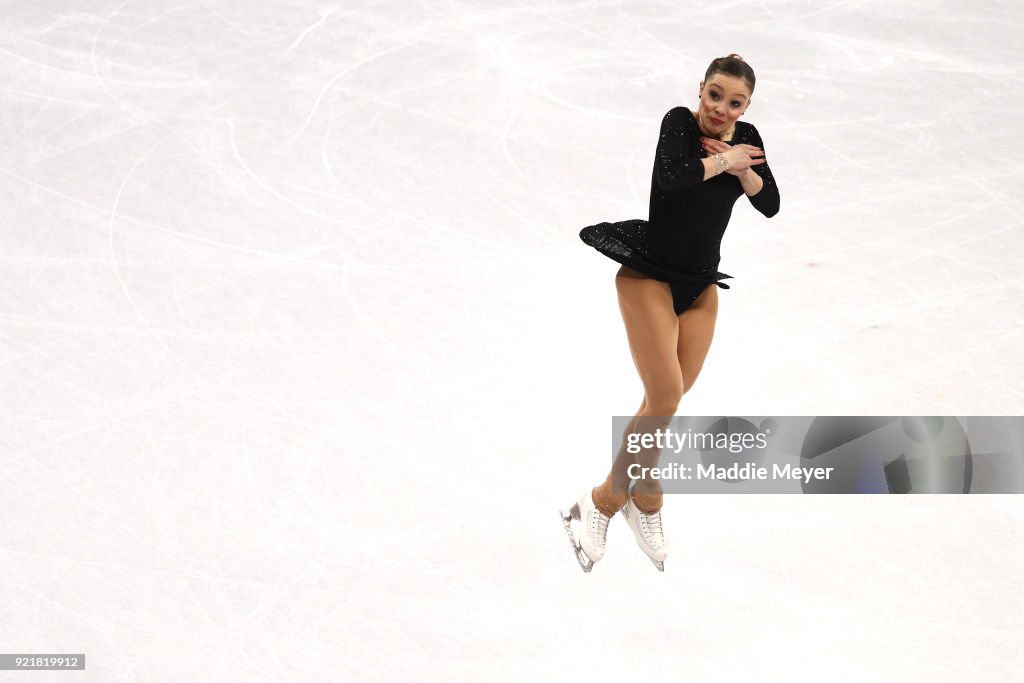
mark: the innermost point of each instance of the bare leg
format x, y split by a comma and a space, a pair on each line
610, 496
648, 332
696, 330
652, 329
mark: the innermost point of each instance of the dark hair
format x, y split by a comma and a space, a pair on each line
733, 65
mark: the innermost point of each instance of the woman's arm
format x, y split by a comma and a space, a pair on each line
759, 183
750, 181
756, 176
674, 168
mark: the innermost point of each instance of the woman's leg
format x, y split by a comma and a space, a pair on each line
695, 330
610, 496
652, 329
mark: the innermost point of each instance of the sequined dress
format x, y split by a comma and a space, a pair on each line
687, 216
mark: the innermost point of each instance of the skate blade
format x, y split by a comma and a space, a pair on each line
574, 513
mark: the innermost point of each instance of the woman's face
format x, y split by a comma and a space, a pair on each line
722, 100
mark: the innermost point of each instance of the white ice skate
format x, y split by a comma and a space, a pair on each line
647, 532
592, 531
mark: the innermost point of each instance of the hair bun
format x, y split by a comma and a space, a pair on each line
734, 55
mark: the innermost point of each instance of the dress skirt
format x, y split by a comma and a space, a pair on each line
628, 243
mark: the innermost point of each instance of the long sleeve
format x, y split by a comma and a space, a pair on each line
767, 200
674, 166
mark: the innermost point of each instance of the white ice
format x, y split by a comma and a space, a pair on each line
301, 352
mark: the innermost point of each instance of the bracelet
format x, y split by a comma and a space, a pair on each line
721, 163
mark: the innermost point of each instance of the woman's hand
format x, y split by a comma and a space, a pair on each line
740, 157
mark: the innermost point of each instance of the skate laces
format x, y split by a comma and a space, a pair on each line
599, 526
650, 525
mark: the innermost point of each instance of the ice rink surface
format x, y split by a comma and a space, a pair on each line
301, 352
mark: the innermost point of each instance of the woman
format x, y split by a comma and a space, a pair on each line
667, 284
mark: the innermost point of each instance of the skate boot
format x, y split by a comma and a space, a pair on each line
588, 541
647, 532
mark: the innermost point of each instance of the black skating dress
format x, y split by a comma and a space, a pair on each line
679, 243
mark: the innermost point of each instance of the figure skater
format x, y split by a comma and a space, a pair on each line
666, 285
